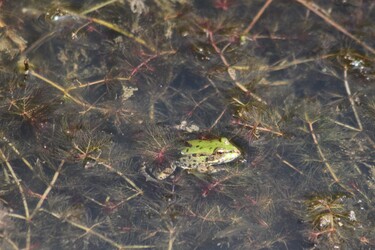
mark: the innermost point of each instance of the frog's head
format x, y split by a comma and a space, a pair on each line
226, 151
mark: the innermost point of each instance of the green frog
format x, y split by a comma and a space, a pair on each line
202, 156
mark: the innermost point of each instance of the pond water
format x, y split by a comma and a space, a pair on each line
97, 98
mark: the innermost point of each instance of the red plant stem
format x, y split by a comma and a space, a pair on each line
257, 16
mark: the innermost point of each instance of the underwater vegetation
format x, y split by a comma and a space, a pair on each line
186, 124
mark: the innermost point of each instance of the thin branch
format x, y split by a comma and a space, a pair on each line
344, 125
289, 164
218, 118
172, 238
23, 197
152, 57
256, 18
97, 6
95, 233
85, 85
352, 104
258, 128
320, 151
122, 32
140, 191
15, 150
18, 183
231, 71
10, 242
284, 65
63, 90
321, 13
48, 189
322, 156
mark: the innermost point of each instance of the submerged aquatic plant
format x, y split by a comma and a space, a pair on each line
108, 87
328, 212
333, 219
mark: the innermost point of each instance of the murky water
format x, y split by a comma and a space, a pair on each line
95, 95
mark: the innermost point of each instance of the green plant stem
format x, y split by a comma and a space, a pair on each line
97, 6
122, 32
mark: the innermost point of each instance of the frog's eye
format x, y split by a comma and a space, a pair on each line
219, 151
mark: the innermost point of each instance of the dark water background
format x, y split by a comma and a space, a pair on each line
91, 91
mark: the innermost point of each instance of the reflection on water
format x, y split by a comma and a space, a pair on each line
97, 97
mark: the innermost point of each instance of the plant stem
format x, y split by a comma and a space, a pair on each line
321, 13
97, 6
289, 165
23, 197
90, 231
352, 104
256, 18
320, 152
109, 167
15, 150
48, 189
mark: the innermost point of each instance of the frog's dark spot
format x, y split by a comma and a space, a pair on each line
187, 150
194, 155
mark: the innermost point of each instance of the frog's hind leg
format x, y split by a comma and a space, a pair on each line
209, 169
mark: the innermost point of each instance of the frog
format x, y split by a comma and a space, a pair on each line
201, 155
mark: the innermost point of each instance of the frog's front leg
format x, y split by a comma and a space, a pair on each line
143, 170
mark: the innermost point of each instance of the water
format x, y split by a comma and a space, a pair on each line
111, 87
